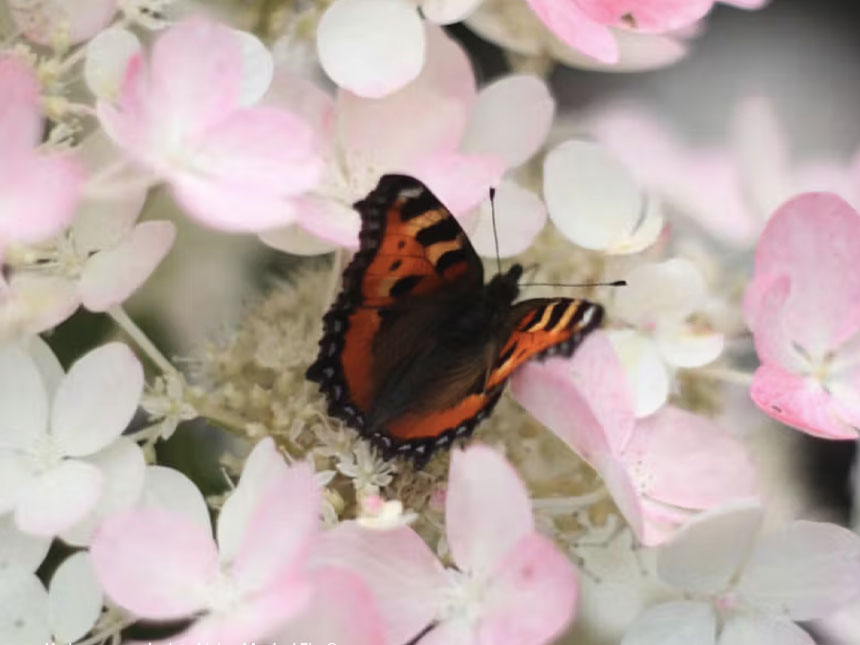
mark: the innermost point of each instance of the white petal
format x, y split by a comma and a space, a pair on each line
36, 303
637, 52
646, 231
112, 276
673, 623
591, 196
170, 490
803, 571
97, 399
520, 216
371, 47
707, 552
20, 549
645, 369
511, 119
23, 400
663, 291
23, 609
445, 12
757, 630
123, 466
258, 68
107, 58
682, 346
58, 498
16, 476
74, 598
48, 364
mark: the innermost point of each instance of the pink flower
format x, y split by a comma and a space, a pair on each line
189, 118
803, 306
38, 192
465, 142
162, 565
660, 469
589, 25
510, 585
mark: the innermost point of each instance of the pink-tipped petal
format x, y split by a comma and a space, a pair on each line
803, 571
680, 458
460, 181
511, 119
342, 609
577, 29
798, 401
113, 275
281, 530
371, 47
20, 112
329, 221
532, 595
708, 552
154, 563
96, 400
108, 55
636, 53
487, 508
382, 133
195, 74
407, 580
58, 498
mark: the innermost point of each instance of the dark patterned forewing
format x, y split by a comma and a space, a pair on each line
535, 329
410, 248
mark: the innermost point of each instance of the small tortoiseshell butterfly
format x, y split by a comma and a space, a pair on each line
416, 349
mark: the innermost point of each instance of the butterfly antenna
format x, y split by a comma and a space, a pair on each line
616, 283
495, 232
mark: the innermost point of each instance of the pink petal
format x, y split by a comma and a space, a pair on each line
383, 132
249, 620
341, 610
371, 47
38, 196
54, 20
58, 498
460, 181
301, 97
648, 15
511, 119
129, 122
803, 571
636, 53
295, 240
532, 595
585, 400
799, 402
108, 55
329, 220
406, 579
680, 458
195, 75
96, 400
812, 239
487, 508
280, 532
154, 563
36, 303
231, 207
577, 29
111, 276
259, 149
20, 110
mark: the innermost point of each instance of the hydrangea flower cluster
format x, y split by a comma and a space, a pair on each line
622, 495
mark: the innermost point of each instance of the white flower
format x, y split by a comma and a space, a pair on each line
746, 589
63, 613
658, 303
59, 433
367, 470
381, 514
166, 403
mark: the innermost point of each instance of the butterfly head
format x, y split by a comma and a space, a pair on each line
503, 288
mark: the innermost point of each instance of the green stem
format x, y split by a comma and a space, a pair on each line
122, 319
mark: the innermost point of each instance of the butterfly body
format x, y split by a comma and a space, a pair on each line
416, 349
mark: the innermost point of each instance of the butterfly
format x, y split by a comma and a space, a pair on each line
416, 349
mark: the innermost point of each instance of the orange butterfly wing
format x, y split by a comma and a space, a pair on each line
538, 329
410, 246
